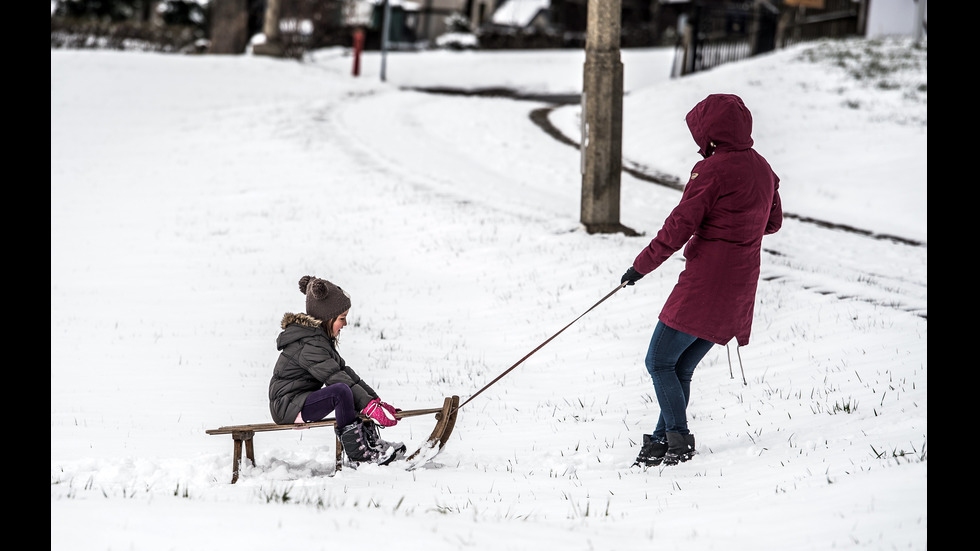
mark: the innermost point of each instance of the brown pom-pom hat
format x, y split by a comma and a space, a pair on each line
324, 300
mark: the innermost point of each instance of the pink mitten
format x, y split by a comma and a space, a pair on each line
391, 409
381, 412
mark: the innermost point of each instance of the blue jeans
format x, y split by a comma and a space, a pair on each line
671, 360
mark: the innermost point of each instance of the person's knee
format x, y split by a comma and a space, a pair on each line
655, 367
651, 365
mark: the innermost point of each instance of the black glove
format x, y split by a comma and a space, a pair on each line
631, 276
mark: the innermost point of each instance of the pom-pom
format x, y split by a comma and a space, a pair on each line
318, 289
303, 283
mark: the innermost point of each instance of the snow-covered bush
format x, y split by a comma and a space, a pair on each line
457, 41
459, 34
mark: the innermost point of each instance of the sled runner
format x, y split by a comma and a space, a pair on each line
244, 434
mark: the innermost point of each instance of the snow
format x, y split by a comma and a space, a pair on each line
518, 13
190, 193
457, 40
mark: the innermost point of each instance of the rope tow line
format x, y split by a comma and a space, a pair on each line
539, 347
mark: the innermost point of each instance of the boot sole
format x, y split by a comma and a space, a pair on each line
383, 462
651, 462
670, 459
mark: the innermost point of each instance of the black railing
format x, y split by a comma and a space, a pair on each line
714, 33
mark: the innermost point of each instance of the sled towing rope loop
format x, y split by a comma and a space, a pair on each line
540, 346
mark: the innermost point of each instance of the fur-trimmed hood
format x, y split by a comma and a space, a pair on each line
305, 320
296, 327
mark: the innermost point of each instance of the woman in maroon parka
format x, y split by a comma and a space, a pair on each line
729, 203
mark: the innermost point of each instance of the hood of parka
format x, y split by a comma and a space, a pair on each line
720, 122
296, 327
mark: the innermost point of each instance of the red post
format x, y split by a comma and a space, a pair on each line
358, 47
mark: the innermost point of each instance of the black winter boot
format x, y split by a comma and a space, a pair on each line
652, 453
359, 448
371, 430
680, 447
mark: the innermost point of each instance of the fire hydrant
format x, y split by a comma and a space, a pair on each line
358, 47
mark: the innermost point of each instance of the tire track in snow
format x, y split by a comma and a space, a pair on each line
540, 117
826, 258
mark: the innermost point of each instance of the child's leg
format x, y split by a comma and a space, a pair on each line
337, 398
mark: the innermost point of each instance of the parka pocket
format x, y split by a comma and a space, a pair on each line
693, 248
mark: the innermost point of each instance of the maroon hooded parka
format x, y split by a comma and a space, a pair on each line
730, 202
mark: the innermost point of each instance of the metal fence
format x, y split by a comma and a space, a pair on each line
714, 33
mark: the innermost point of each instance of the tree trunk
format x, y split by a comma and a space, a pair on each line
229, 23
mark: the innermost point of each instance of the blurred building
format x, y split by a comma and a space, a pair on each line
417, 24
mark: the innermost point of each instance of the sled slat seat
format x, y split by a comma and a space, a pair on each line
243, 435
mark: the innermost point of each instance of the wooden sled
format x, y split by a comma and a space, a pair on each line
245, 434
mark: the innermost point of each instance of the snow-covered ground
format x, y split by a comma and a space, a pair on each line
190, 193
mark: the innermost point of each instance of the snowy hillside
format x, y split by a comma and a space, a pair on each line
190, 193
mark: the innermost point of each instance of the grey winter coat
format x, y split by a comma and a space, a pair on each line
308, 362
